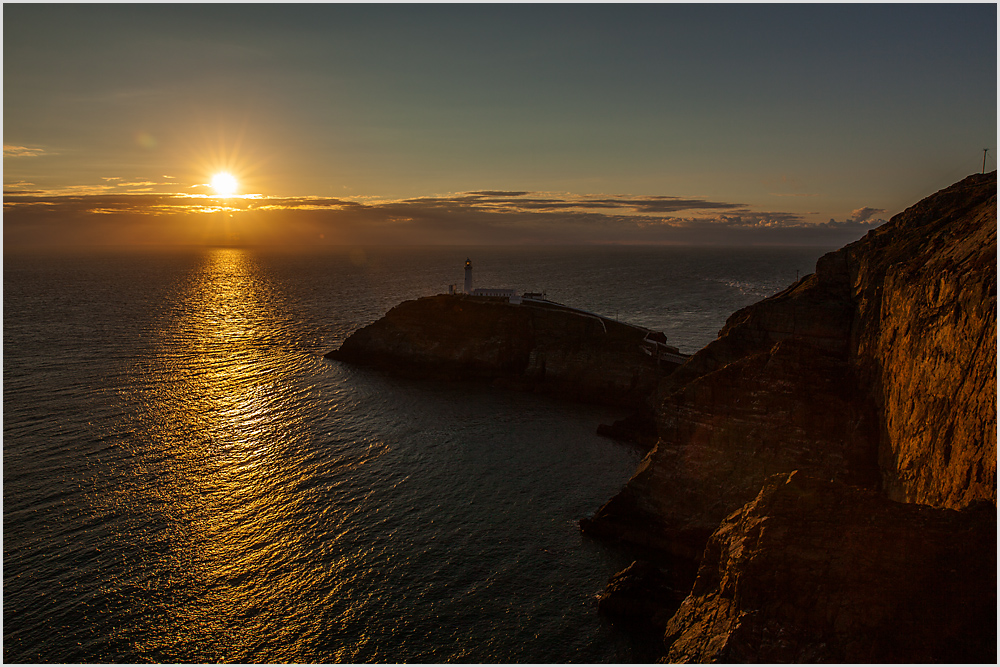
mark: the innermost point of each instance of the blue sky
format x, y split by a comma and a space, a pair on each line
793, 115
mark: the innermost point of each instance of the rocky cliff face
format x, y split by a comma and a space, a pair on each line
879, 371
815, 571
876, 378
775, 392
544, 349
924, 341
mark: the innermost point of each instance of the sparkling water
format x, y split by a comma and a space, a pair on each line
186, 478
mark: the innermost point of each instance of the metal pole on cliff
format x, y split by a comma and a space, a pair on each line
984, 159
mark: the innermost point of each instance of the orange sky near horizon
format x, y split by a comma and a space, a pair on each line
488, 124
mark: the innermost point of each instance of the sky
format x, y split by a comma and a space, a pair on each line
491, 124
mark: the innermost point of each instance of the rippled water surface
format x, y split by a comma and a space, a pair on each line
187, 479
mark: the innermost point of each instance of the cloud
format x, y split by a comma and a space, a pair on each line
20, 188
476, 218
861, 218
87, 200
22, 151
518, 201
864, 213
500, 193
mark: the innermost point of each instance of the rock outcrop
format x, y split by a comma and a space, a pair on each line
925, 344
877, 375
816, 571
775, 392
879, 371
542, 348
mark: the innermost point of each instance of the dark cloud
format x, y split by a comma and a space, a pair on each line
672, 204
305, 203
81, 204
517, 200
483, 217
500, 193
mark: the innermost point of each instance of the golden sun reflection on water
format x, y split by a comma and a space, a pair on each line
215, 463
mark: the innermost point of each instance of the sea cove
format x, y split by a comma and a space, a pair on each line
186, 478
499, 333
858, 402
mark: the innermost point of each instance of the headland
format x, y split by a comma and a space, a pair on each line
830, 459
827, 465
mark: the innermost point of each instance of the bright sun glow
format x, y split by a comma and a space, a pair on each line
224, 183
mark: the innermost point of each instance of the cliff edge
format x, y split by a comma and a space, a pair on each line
875, 373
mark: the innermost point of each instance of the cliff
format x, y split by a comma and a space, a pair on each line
829, 460
878, 370
540, 347
815, 571
925, 344
876, 373
775, 392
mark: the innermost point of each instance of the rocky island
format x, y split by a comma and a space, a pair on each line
536, 346
827, 465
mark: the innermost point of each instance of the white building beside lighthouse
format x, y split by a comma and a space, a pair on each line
508, 294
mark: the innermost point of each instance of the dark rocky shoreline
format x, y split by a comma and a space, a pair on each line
829, 461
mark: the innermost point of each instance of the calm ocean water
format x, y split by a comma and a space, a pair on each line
187, 479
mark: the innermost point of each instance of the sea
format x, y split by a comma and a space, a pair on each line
186, 478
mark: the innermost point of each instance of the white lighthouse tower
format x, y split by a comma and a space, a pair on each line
468, 276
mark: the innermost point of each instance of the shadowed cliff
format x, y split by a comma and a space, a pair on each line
877, 372
815, 571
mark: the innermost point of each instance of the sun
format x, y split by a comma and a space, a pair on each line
224, 184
